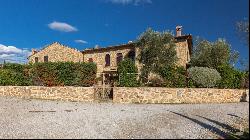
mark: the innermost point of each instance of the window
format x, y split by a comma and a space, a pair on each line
46, 59
36, 59
107, 60
131, 55
119, 58
90, 59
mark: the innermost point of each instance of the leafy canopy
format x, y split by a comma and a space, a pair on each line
212, 54
157, 51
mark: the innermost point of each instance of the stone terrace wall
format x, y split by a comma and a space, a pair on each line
50, 93
177, 95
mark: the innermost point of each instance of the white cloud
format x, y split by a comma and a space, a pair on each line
81, 41
63, 27
134, 2
9, 49
13, 54
6, 56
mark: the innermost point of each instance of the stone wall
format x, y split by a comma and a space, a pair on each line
57, 53
177, 95
130, 95
49, 93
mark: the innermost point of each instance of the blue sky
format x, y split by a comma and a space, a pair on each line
26, 24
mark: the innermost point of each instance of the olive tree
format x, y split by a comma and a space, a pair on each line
213, 54
157, 51
204, 77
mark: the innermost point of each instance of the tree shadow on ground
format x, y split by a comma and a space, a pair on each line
223, 125
205, 125
233, 115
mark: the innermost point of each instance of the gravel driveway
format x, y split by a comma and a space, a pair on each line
21, 118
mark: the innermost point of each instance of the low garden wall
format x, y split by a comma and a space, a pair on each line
49, 93
178, 95
130, 95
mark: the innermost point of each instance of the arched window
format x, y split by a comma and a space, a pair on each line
131, 55
107, 60
90, 59
119, 58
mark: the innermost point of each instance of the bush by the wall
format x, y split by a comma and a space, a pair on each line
14, 67
9, 77
191, 83
231, 78
127, 73
44, 74
204, 77
85, 74
174, 77
63, 74
5, 77
16, 75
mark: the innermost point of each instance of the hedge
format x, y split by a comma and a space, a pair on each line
63, 74
49, 74
14, 74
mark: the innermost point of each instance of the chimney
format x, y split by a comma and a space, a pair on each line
33, 51
178, 30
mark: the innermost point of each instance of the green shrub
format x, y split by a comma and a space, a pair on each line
9, 77
14, 67
44, 74
63, 74
49, 74
174, 77
19, 74
127, 73
191, 83
85, 74
231, 78
204, 77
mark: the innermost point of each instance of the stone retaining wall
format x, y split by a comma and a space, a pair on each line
50, 93
130, 95
178, 95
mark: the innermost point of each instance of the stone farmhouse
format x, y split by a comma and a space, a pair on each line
107, 58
